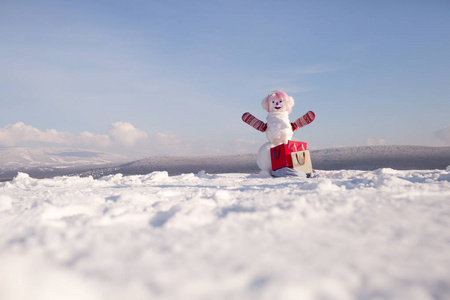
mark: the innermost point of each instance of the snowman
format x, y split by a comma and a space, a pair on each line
279, 129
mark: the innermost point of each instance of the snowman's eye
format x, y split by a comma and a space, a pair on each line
273, 101
281, 101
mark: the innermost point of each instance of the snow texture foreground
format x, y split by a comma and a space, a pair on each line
379, 234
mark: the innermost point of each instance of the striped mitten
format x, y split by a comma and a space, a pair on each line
303, 120
254, 122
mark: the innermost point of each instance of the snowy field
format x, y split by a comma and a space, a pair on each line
380, 234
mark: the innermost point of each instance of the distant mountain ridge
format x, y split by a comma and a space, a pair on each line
86, 163
25, 158
375, 157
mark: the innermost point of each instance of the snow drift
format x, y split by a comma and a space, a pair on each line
379, 234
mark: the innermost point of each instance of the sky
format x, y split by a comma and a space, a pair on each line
170, 77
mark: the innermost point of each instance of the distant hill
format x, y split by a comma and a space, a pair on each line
21, 157
174, 165
85, 163
375, 157
48, 162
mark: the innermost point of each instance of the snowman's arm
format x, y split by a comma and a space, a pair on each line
303, 120
254, 122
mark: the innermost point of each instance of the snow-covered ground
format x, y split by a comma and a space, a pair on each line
380, 234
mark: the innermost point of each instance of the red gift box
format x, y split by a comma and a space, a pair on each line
281, 154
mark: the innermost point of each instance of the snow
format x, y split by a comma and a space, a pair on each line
5, 202
346, 234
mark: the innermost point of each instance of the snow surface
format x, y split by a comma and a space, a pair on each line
379, 234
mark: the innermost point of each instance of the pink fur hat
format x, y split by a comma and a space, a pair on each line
278, 95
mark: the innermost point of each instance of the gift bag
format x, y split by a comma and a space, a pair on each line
301, 161
281, 154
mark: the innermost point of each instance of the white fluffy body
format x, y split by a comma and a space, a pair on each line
263, 161
279, 131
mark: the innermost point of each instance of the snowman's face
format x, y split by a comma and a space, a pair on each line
277, 106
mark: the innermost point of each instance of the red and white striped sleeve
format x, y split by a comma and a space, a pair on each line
303, 120
254, 122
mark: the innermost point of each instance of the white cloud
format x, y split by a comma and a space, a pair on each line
123, 137
443, 134
374, 142
170, 144
87, 139
125, 134
119, 134
14, 134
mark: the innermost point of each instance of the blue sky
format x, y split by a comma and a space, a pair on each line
174, 77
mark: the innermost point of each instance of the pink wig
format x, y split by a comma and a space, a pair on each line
277, 96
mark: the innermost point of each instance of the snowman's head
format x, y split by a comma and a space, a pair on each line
278, 101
